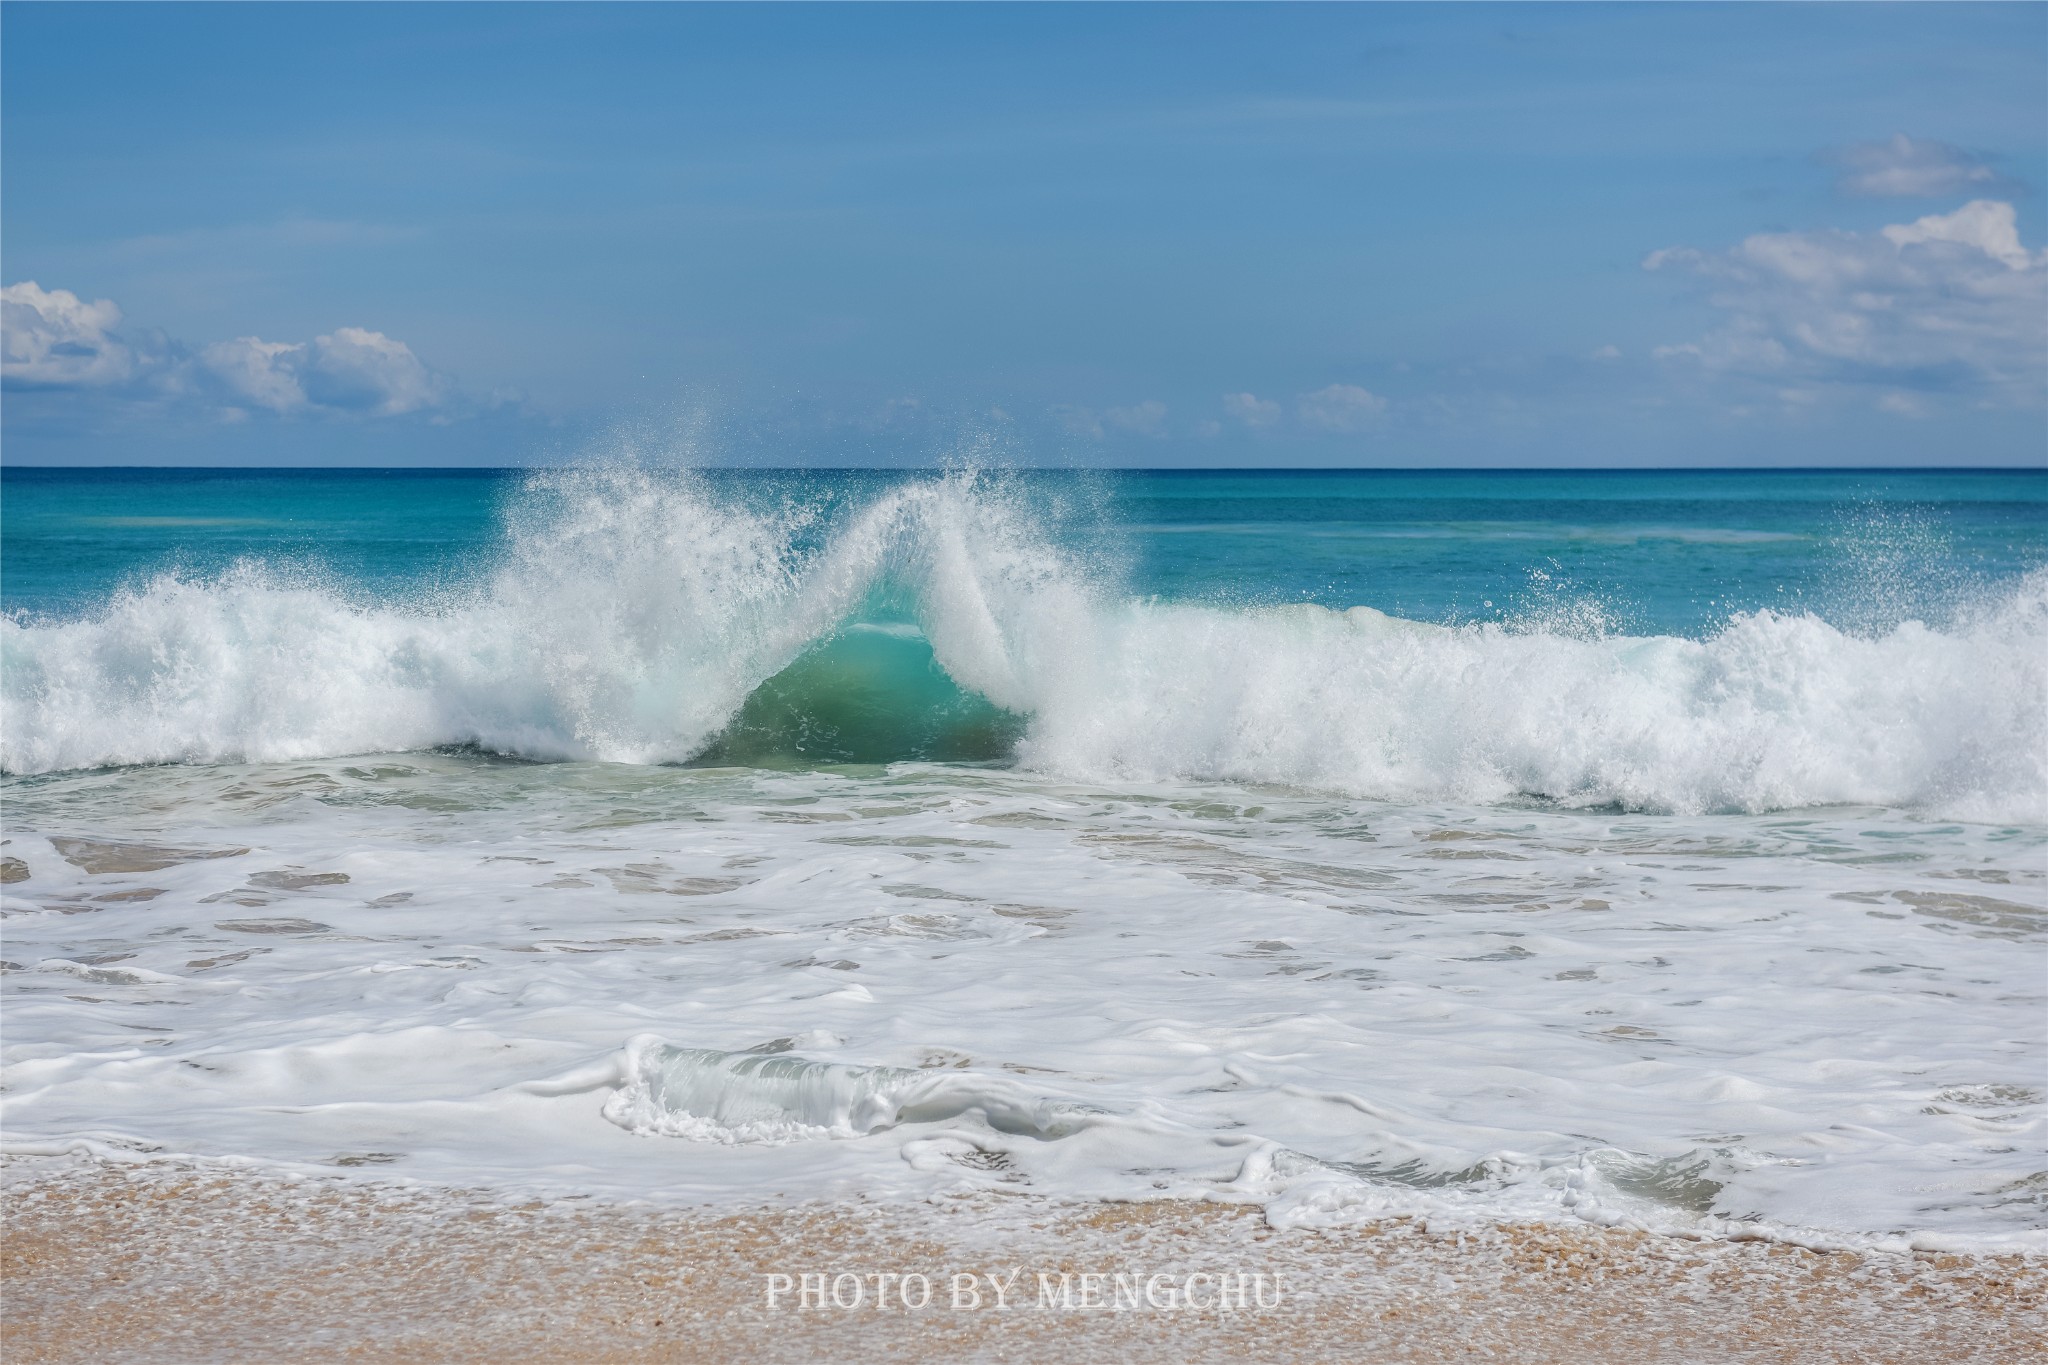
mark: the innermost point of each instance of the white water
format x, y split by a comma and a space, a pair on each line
767, 1097
632, 616
691, 984
1261, 912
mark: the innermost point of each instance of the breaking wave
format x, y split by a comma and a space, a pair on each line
646, 619
772, 1097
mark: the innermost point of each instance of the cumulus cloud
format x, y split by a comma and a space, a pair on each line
1340, 407
54, 340
1078, 421
1251, 409
256, 372
1948, 302
1989, 227
1141, 419
357, 370
1910, 168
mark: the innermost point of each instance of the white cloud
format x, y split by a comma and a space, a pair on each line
1608, 352
257, 372
1903, 404
350, 370
1991, 227
899, 414
52, 339
1079, 421
1143, 419
1251, 409
1340, 407
357, 370
1139, 419
1910, 168
1952, 301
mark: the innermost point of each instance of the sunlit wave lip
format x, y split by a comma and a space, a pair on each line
647, 619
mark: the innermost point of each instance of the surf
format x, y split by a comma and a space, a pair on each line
646, 618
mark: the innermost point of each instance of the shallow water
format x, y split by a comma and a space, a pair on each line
433, 965
1127, 894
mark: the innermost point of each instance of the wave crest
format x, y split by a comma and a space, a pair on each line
1773, 711
738, 1097
633, 616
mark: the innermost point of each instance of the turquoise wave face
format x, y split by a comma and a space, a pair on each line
873, 693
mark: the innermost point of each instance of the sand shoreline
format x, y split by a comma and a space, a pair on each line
157, 1263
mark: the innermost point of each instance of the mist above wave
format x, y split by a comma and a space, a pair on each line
632, 617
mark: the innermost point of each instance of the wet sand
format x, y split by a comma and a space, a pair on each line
162, 1263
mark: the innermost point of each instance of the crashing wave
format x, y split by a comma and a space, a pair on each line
640, 619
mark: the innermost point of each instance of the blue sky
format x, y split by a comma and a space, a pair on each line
1145, 235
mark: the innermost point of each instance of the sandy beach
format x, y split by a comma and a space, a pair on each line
162, 1263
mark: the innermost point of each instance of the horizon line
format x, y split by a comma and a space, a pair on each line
10, 467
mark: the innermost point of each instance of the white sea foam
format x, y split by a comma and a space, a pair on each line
1772, 712
631, 617
768, 1097
725, 985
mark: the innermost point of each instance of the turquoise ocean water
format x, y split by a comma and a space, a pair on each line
1660, 552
